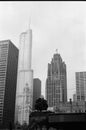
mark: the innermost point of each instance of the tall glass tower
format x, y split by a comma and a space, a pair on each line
56, 82
24, 79
8, 79
81, 86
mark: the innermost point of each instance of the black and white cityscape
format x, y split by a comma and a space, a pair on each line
42, 65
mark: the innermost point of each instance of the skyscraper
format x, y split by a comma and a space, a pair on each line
36, 90
56, 83
25, 78
8, 79
81, 86
74, 97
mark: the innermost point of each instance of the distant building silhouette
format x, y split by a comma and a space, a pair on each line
56, 83
36, 90
81, 86
8, 78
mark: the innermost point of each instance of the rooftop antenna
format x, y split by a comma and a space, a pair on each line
29, 21
56, 50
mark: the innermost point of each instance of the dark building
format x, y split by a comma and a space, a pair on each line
56, 121
36, 90
56, 83
8, 78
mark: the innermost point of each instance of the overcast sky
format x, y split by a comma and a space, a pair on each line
55, 25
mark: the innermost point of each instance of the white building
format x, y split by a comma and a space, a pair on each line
24, 79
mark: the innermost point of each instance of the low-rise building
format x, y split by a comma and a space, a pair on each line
71, 107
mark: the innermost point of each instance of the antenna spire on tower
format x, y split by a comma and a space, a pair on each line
29, 21
56, 50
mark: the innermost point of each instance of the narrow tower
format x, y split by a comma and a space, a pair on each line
25, 78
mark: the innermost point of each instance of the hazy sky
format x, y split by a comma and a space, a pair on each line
55, 25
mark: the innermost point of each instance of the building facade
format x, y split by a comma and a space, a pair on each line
81, 86
74, 97
36, 90
70, 107
8, 79
57, 121
56, 83
24, 79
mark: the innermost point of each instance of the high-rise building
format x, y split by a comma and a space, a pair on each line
25, 79
56, 83
36, 90
81, 86
74, 97
8, 79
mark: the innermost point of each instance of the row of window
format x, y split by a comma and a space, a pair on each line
4, 59
1, 102
1, 93
2, 84
2, 81
2, 76
3, 65
1, 108
2, 96
4, 44
1, 90
2, 70
3, 54
3, 48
